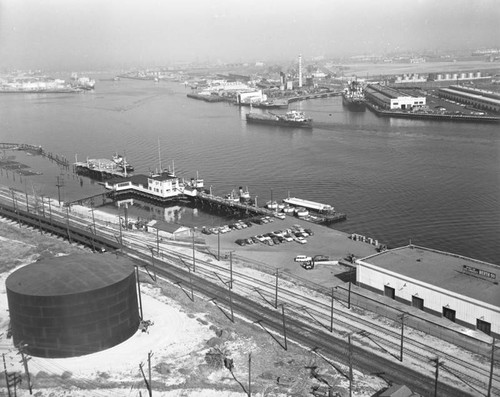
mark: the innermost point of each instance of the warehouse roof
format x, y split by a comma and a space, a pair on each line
465, 276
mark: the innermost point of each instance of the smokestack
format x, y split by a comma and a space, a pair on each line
300, 71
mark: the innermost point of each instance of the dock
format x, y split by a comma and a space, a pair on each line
229, 205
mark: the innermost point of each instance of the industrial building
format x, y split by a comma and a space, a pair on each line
464, 290
73, 305
480, 99
391, 98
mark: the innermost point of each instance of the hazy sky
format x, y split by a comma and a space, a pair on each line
88, 34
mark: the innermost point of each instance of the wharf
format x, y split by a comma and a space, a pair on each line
314, 96
432, 116
209, 98
229, 205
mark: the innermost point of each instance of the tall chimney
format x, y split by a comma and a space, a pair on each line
300, 70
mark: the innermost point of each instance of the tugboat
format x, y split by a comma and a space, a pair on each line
293, 118
353, 97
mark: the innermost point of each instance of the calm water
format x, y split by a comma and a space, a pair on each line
436, 183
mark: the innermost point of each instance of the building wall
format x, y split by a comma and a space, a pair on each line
467, 310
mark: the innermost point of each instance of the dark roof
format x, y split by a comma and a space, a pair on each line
141, 179
69, 274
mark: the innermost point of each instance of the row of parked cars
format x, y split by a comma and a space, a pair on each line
238, 225
296, 233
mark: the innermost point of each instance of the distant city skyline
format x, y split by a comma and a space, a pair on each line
92, 34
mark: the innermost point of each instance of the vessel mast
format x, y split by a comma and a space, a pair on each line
159, 153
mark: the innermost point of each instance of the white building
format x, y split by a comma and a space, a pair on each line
391, 98
250, 97
464, 290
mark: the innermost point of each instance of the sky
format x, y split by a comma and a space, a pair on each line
93, 34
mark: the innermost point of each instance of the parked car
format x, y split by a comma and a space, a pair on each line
302, 258
241, 242
301, 240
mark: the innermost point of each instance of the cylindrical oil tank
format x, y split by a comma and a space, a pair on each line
73, 305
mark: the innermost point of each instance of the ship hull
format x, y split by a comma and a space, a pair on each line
354, 105
279, 123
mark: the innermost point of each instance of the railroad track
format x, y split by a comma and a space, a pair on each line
370, 341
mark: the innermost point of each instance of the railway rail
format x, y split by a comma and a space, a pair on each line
309, 316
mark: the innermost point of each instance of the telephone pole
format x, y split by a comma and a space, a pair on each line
24, 360
59, 184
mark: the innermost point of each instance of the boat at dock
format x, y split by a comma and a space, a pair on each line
312, 211
353, 97
293, 118
122, 163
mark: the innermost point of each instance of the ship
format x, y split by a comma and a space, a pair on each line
83, 83
120, 161
293, 118
353, 97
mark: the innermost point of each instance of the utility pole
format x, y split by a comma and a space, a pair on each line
6, 375
276, 294
148, 384
139, 291
437, 376
218, 246
59, 184
67, 224
231, 269
93, 217
194, 259
350, 364
491, 367
284, 325
249, 374
24, 360
402, 316
331, 314
50, 211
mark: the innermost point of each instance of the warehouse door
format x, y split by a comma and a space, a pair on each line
484, 326
449, 313
390, 292
417, 302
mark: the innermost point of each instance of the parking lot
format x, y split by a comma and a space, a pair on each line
324, 241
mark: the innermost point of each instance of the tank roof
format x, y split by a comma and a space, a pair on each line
69, 274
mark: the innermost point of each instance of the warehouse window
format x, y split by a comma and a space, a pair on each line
449, 313
483, 326
417, 302
389, 291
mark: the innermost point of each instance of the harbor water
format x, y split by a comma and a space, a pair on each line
434, 183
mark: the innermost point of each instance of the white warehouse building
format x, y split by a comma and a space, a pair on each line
464, 290
391, 98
